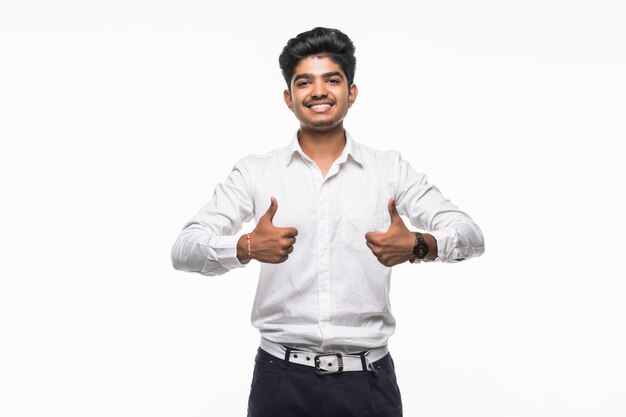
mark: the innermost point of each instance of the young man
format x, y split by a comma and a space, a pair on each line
326, 244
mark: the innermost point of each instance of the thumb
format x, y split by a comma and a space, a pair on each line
393, 212
271, 211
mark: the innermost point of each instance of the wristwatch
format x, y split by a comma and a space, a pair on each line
420, 249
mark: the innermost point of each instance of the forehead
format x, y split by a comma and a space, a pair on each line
317, 65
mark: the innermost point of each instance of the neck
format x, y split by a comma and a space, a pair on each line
318, 145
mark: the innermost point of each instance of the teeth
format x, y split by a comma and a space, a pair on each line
317, 106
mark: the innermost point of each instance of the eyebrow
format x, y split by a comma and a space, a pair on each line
325, 75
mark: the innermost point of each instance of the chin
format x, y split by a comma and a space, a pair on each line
323, 123
322, 127
329, 123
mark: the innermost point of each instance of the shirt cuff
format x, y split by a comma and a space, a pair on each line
226, 251
445, 241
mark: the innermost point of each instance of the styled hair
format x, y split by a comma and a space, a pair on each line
320, 42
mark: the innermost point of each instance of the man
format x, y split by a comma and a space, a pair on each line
326, 244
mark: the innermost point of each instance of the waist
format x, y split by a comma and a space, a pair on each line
327, 337
279, 350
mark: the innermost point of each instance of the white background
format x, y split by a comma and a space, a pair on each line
118, 118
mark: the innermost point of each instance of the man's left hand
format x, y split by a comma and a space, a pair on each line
394, 246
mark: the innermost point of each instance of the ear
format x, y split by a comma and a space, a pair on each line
287, 98
353, 91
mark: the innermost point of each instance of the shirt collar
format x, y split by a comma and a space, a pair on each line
351, 149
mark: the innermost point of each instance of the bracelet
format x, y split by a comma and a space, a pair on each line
249, 250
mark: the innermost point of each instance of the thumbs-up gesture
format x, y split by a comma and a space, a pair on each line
394, 246
269, 243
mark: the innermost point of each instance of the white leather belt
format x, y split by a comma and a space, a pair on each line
326, 362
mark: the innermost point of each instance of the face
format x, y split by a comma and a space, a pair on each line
320, 96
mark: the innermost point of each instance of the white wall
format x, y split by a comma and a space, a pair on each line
118, 118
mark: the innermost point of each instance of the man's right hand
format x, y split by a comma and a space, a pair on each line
269, 244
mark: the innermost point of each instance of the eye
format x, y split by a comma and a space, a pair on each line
333, 81
302, 83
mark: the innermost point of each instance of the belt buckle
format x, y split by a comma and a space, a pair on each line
321, 371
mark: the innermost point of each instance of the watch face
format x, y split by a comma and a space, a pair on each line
421, 250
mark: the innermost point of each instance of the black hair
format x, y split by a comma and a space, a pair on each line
322, 42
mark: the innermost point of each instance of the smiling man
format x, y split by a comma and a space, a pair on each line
326, 245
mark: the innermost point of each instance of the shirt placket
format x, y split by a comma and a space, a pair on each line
323, 242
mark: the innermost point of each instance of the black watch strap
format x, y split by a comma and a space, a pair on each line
420, 249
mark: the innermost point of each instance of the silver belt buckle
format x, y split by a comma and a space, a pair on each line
322, 365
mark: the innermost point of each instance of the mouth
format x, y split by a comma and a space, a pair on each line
319, 107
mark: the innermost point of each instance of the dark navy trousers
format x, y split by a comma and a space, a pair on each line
283, 389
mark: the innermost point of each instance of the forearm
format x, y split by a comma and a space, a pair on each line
456, 235
196, 250
459, 241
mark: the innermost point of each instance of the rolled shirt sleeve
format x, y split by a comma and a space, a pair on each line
458, 236
208, 242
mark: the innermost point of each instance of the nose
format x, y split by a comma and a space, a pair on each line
319, 89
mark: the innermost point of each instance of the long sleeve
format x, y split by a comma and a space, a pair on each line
458, 237
208, 242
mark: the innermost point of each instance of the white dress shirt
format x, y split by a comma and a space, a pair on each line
331, 294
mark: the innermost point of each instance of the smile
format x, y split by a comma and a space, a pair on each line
320, 108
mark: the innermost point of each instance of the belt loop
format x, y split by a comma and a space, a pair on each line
287, 354
363, 362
